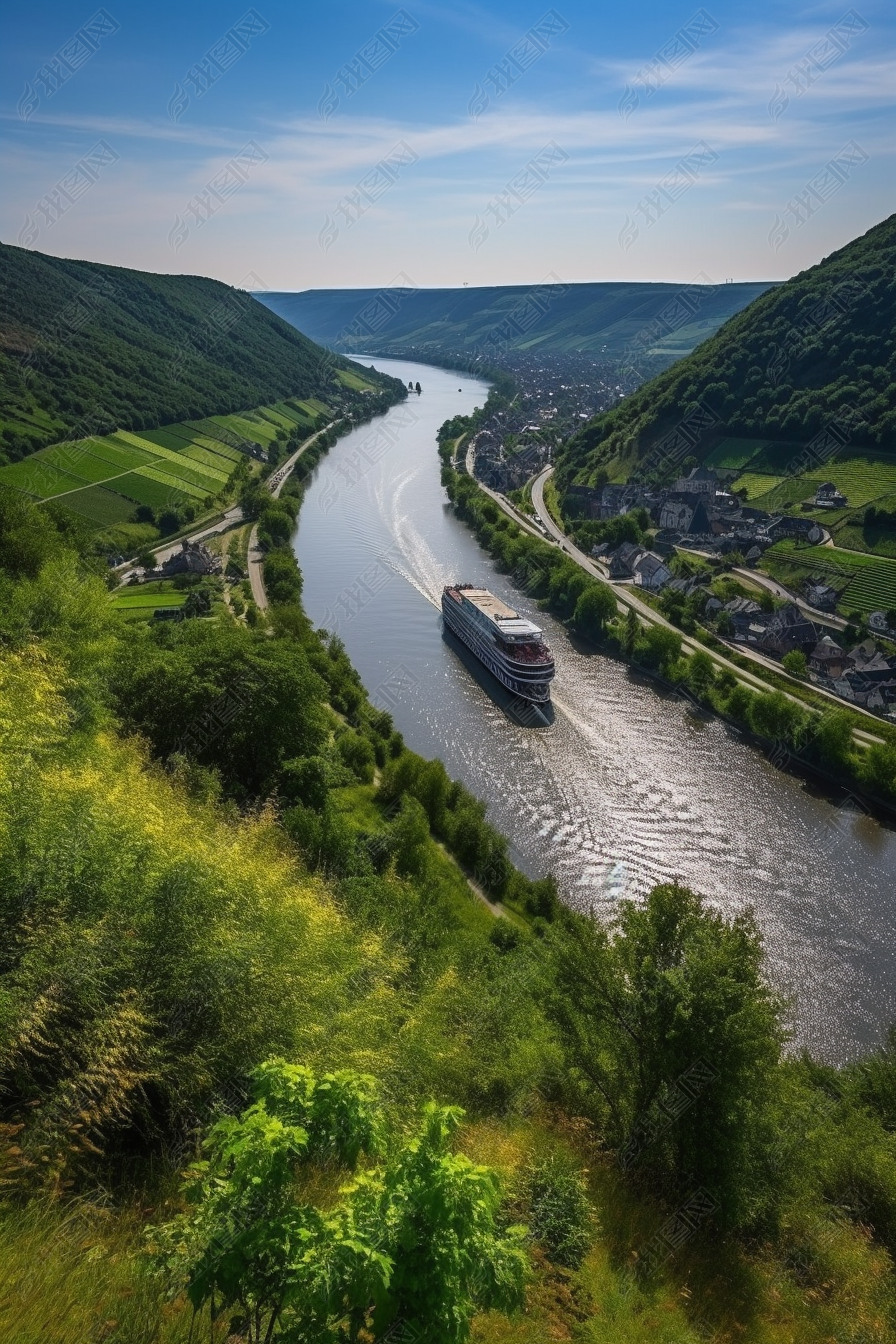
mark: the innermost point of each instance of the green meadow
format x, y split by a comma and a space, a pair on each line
865, 582
178, 467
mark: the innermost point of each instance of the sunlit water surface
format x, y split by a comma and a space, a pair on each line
625, 788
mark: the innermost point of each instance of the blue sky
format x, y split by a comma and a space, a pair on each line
290, 146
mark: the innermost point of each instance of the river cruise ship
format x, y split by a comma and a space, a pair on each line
512, 648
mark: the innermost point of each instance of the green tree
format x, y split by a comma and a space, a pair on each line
228, 698
832, 739
357, 753
198, 603
631, 632
410, 831
725, 682
442, 1215
701, 673
738, 703
561, 1216
282, 576
250, 1243
275, 524
879, 769
661, 647
673, 991
594, 607
26, 541
306, 780
774, 716
795, 663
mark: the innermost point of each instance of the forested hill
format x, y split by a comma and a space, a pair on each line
811, 353
611, 320
95, 348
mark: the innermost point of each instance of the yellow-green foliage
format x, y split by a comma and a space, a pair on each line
150, 940
159, 945
76, 1275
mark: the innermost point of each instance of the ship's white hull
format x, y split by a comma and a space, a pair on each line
528, 688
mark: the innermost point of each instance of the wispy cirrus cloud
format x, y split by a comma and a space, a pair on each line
719, 97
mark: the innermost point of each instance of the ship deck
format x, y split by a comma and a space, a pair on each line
489, 604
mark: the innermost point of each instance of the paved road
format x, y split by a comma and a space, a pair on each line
502, 501
626, 597
779, 590
232, 518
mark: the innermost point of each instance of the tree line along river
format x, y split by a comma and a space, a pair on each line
625, 787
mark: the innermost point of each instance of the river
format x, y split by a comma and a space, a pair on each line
625, 788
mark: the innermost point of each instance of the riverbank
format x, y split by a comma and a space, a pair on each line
786, 728
477, 849
629, 785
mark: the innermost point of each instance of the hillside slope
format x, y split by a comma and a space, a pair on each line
613, 320
91, 349
818, 351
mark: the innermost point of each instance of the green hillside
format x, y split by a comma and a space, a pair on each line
237, 927
617, 321
809, 365
88, 349
126, 488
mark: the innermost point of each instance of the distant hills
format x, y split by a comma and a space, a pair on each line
621, 321
810, 364
87, 349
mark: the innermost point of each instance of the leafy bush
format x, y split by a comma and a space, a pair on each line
357, 753
416, 1240
561, 1216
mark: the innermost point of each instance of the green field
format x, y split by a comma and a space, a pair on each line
862, 479
117, 456
133, 598
758, 485
209, 458
39, 478
183, 439
172, 480
100, 506
218, 431
354, 380
103, 480
140, 604
277, 418
206, 479
77, 460
166, 438
165, 456
853, 532
296, 413
144, 490
859, 478
864, 582
257, 430
734, 453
